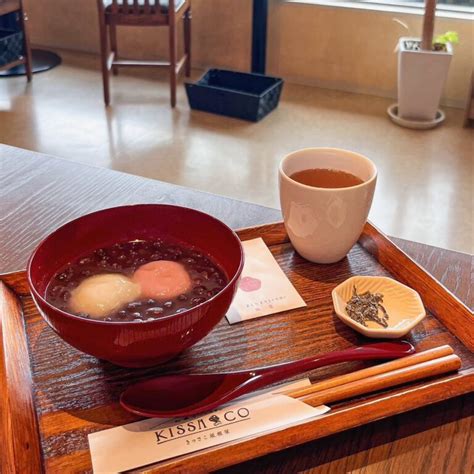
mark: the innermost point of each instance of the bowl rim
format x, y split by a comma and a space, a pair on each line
36, 294
323, 149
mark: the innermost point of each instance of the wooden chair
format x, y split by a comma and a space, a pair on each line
113, 13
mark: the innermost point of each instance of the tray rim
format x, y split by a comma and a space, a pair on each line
22, 450
25, 449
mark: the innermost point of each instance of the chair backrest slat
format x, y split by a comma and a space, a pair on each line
171, 10
138, 7
146, 7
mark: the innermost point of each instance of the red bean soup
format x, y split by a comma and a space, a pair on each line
141, 280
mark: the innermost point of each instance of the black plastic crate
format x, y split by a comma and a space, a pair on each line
242, 95
11, 46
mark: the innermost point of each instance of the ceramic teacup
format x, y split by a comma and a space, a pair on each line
324, 223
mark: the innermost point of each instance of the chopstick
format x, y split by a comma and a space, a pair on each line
407, 361
429, 368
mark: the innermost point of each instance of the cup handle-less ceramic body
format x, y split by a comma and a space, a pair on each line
324, 223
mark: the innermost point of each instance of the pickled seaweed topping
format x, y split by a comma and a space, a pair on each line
367, 307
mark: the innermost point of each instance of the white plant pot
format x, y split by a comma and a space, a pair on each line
421, 78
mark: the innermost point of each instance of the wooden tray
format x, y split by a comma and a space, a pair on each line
54, 396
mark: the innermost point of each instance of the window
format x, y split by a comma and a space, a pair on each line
464, 8
451, 5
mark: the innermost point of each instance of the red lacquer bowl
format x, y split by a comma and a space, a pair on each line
134, 344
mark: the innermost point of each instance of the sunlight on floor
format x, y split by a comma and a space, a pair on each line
424, 192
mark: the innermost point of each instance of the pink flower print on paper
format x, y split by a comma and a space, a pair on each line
250, 284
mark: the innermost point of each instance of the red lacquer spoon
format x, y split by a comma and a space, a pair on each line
172, 396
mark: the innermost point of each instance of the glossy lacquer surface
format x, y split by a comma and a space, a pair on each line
186, 395
136, 344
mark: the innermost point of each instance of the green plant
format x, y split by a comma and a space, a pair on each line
439, 44
448, 37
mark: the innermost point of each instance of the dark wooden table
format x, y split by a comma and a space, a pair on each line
38, 193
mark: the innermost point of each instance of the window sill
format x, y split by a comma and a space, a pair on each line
460, 13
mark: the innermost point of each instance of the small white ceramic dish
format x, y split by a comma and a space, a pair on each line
403, 305
415, 124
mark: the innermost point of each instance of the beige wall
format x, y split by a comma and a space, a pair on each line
340, 48
351, 49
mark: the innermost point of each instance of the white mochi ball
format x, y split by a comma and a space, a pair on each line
101, 295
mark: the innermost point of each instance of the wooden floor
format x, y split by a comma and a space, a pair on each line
424, 192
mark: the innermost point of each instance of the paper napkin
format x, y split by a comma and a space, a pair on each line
264, 288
